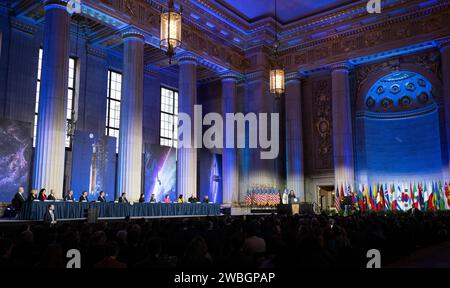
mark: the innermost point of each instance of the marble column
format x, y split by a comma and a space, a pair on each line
187, 157
445, 59
342, 126
230, 173
51, 128
130, 139
294, 137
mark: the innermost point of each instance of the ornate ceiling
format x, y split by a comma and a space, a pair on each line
288, 10
236, 35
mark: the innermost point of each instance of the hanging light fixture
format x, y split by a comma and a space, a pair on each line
277, 71
170, 38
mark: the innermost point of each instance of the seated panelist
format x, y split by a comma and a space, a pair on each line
69, 196
84, 197
123, 198
101, 197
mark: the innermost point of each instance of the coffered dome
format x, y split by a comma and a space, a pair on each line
399, 91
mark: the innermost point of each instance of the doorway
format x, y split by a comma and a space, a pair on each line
326, 197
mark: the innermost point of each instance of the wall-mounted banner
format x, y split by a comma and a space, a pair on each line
15, 157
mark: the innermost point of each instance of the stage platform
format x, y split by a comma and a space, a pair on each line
82, 210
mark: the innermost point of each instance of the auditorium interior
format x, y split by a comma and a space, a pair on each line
128, 101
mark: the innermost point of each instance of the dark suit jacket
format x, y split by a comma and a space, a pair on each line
51, 198
31, 198
192, 200
18, 201
68, 198
48, 217
123, 200
101, 199
83, 198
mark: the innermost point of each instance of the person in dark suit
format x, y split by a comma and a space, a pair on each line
18, 200
84, 197
142, 198
192, 199
69, 196
101, 197
49, 216
51, 197
206, 199
123, 198
33, 195
42, 195
153, 199
291, 197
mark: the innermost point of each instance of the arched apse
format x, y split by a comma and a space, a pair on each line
397, 130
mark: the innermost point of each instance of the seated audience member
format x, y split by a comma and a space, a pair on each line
110, 260
206, 199
49, 216
18, 200
33, 195
6, 249
154, 258
42, 195
153, 199
69, 196
101, 197
123, 198
142, 198
180, 199
167, 199
84, 197
192, 199
51, 197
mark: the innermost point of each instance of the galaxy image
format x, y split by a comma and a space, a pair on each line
15, 157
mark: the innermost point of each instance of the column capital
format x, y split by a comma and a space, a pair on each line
341, 66
294, 77
187, 59
132, 32
229, 76
443, 43
56, 4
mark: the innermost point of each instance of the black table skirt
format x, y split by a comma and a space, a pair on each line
69, 210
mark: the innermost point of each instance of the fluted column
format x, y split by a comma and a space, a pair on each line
445, 59
294, 137
187, 157
51, 128
130, 140
342, 126
230, 173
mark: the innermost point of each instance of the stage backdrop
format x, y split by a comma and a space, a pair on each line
15, 157
160, 170
210, 175
94, 165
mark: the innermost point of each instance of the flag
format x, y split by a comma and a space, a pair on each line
415, 197
441, 197
387, 199
337, 201
447, 195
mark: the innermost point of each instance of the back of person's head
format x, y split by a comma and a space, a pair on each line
6, 246
112, 249
154, 246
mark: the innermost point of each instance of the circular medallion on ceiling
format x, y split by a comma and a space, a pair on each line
405, 102
370, 102
386, 103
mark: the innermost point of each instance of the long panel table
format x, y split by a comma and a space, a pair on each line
70, 210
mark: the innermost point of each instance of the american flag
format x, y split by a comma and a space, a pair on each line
337, 201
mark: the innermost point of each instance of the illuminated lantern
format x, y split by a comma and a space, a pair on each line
277, 72
170, 38
277, 81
